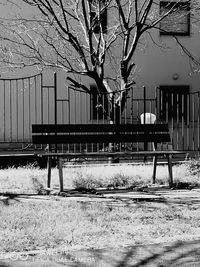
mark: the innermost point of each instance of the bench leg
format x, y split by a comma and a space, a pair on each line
170, 170
49, 172
60, 173
154, 169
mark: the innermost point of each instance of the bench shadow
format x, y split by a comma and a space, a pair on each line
118, 196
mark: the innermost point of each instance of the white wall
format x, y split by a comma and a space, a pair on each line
156, 66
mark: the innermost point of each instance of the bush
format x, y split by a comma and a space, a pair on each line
193, 166
86, 181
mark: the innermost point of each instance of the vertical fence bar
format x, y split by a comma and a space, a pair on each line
10, 93
86, 114
69, 119
188, 122
120, 122
113, 108
55, 98
161, 103
198, 121
144, 88
193, 122
35, 88
150, 107
177, 120
97, 108
125, 112
166, 97
104, 110
132, 105
55, 104
17, 109
137, 112
4, 109
29, 105
23, 96
172, 118
183, 118
42, 82
156, 103
145, 143
81, 112
69, 106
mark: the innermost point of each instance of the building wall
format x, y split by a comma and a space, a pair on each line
157, 66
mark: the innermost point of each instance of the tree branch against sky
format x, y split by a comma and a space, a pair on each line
68, 35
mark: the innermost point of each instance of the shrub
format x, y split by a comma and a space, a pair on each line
193, 166
87, 181
38, 186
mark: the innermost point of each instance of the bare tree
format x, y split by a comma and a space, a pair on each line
71, 35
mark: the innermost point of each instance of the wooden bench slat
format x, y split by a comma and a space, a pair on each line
100, 138
65, 128
111, 154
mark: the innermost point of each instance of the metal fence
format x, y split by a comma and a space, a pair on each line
180, 111
26, 101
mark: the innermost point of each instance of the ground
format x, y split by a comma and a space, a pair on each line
185, 253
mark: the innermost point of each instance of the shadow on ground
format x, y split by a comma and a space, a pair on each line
184, 254
160, 194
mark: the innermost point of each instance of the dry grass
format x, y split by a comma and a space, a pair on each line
61, 222
33, 226
31, 179
22, 179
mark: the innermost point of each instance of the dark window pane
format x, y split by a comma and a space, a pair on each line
178, 21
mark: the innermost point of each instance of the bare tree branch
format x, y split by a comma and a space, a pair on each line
69, 35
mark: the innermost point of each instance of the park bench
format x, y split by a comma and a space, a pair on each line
51, 134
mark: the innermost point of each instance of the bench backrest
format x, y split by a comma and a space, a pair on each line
99, 133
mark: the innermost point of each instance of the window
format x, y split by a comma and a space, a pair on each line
174, 103
178, 21
95, 18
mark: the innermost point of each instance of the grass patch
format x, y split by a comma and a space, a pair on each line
31, 179
60, 222
129, 176
43, 225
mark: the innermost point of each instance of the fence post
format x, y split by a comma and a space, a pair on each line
42, 84
55, 98
55, 104
145, 143
156, 101
144, 90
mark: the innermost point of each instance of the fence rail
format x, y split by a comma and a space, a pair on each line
26, 101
